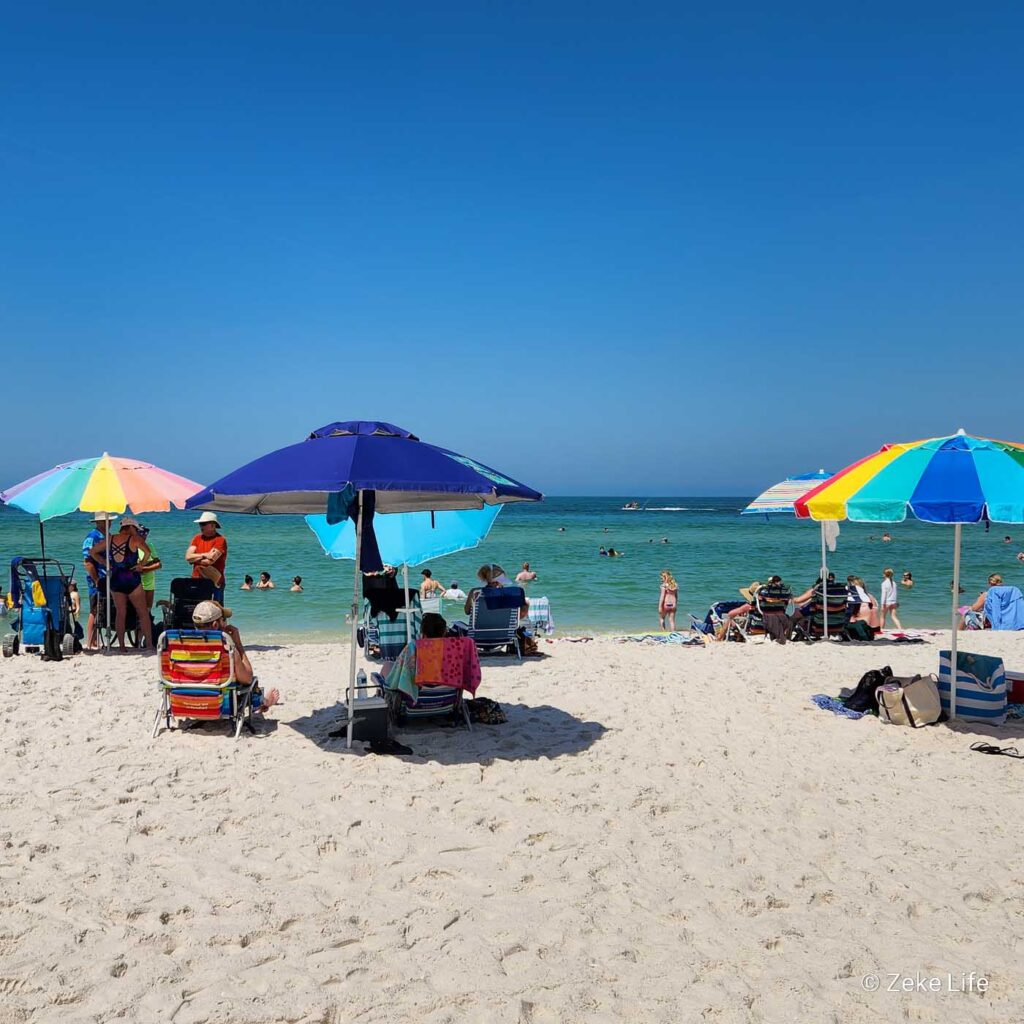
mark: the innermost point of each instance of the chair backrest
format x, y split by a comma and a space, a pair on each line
773, 598
196, 657
187, 588
833, 605
492, 625
1004, 607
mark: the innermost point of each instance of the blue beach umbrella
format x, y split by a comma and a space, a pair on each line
351, 470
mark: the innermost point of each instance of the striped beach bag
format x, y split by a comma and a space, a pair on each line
980, 687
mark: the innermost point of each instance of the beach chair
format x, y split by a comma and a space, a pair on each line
1004, 608
830, 606
186, 593
419, 664
385, 638
197, 680
494, 619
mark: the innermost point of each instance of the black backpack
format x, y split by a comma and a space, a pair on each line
863, 697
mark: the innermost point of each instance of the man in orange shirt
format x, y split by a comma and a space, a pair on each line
208, 553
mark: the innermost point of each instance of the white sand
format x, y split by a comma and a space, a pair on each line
717, 849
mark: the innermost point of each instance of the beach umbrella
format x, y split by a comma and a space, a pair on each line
409, 538
352, 470
108, 483
780, 499
954, 480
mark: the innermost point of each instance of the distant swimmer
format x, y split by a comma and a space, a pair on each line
664, 540
526, 575
886, 537
265, 582
296, 587
247, 583
602, 552
612, 553
561, 529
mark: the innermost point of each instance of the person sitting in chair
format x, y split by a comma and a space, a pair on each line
212, 615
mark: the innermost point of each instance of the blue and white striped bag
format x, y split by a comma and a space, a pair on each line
980, 687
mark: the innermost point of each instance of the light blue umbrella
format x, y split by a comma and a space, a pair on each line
409, 538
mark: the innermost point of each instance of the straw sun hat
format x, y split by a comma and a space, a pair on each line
747, 593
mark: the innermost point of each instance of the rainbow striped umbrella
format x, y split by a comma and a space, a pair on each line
104, 484
957, 479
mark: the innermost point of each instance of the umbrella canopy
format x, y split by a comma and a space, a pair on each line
351, 469
104, 484
782, 496
410, 538
957, 479
406, 474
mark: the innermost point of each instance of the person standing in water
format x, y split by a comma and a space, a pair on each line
890, 600
668, 598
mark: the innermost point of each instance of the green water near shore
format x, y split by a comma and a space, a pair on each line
711, 550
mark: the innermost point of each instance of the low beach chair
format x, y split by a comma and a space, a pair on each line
416, 687
385, 638
185, 594
197, 680
1004, 608
832, 606
494, 619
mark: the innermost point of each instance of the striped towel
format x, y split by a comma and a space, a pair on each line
539, 612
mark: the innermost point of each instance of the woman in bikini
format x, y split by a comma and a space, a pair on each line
127, 550
668, 598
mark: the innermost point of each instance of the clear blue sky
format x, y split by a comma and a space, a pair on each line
609, 248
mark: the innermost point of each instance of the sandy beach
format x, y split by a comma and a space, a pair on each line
656, 834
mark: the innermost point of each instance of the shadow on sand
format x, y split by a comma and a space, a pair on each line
531, 733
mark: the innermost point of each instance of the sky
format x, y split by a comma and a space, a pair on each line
624, 248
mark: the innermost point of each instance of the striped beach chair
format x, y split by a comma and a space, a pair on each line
433, 699
197, 680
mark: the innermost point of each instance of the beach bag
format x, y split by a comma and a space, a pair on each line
863, 697
912, 701
980, 687
859, 631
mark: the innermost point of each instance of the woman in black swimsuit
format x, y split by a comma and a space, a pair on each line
127, 550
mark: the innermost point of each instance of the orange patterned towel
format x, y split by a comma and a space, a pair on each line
429, 662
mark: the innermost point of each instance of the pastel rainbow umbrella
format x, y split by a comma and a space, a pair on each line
781, 498
955, 480
109, 483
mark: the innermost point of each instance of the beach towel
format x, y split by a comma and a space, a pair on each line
539, 612
683, 639
451, 661
836, 706
1004, 608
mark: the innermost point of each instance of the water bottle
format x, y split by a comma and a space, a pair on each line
360, 684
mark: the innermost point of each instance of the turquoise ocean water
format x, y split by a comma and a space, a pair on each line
712, 551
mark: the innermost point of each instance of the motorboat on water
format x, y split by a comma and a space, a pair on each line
631, 506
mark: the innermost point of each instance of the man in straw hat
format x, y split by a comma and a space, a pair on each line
213, 615
208, 553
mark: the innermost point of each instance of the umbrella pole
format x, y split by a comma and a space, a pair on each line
42, 540
355, 625
956, 620
408, 610
109, 612
824, 579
